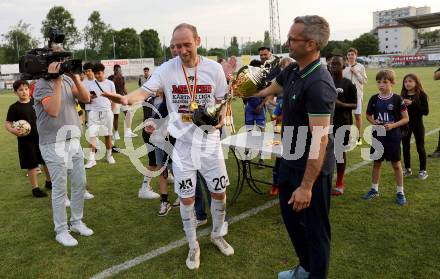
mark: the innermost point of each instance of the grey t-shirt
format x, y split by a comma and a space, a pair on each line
66, 125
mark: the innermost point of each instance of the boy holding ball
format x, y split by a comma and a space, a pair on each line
28, 150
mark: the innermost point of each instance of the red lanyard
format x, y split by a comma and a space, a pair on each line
191, 91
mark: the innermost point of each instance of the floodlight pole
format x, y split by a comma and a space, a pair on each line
140, 52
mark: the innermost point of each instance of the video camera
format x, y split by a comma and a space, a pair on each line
34, 64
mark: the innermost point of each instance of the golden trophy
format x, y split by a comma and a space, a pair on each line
249, 81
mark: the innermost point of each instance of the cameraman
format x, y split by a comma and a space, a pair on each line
60, 131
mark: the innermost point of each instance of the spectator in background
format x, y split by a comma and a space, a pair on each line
229, 67
328, 60
56, 111
28, 150
265, 54
100, 114
255, 115
416, 100
343, 116
145, 77
379, 113
119, 81
356, 73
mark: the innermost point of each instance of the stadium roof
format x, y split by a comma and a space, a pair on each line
422, 21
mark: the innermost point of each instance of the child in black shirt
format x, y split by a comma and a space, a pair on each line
416, 102
28, 150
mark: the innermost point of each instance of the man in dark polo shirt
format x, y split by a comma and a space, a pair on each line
436, 153
307, 165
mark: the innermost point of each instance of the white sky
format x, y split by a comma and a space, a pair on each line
216, 20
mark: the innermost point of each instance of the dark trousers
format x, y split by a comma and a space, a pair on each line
419, 134
309, 229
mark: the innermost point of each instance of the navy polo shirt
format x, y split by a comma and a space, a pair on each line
306, 93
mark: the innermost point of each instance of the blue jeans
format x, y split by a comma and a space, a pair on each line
199, 205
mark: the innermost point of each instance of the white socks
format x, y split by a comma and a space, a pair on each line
91, 156
189, 224
109, 153
399, 189
127, 120
218, 216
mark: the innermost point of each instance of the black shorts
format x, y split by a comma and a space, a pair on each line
29, 155
151, 155
391, 153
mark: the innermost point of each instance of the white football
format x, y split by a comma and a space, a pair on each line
23, 125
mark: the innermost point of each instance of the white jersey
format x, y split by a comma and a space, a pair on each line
87, 82
358, 79
170, 78
100, 103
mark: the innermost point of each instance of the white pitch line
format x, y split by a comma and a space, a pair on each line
181, 242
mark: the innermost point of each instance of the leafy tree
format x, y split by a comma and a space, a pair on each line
94, 32
233, 48
151, 46
337, 47
127, 43
366, 44
202, 51
251, 48
219, 52
63, 20
17, 40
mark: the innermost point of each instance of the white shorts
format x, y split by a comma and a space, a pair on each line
210, 163
100, 123
358, 110
118, 108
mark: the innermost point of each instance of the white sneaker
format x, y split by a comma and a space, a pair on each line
87, 195
81, 229
423, 174
90, 164
111, 160
129, 134
193, 259
164, 208
65, 239
147, 193
170, 178
116, 135
223, 246
67, 202
201, 222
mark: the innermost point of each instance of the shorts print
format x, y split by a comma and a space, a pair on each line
211, 166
